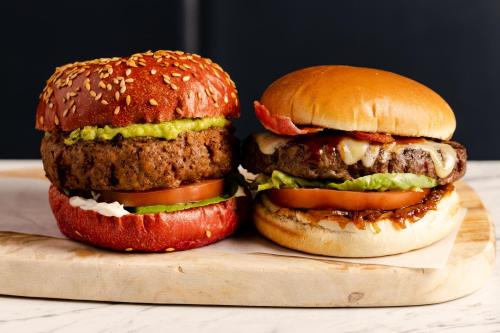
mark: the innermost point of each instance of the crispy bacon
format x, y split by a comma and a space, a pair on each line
280, 124
374, 137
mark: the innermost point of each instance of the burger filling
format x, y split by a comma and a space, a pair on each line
146, 168
361, 177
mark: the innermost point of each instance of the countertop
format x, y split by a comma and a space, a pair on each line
479, 312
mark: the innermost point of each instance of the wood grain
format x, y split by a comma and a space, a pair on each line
39, 266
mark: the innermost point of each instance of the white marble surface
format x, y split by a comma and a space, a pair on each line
479, 312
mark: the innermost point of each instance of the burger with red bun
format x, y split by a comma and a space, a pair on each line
139, 149
355, 162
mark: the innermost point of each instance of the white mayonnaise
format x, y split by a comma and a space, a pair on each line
114, 209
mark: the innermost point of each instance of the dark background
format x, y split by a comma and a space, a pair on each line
451, 46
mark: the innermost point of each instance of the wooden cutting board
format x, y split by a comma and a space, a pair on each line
37, 266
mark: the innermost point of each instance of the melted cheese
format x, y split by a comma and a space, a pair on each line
352, 151
443, 155
268, 142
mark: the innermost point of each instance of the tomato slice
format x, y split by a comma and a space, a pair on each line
280, 124
314, 198
202, 190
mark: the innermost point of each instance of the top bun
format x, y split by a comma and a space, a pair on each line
360, 99
148, 87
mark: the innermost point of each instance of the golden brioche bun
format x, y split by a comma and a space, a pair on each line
293, 229
360, 99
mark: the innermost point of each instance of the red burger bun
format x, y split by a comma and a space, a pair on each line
149, 87
181, 230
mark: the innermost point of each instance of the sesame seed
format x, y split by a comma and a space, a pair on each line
128, 99
51, 105
128, 249
78, 233
176, 74
93, 93
109, 87
226, 100
153, 102
102, 84
178, 110
123, 89
130, 80
105, 102
128, 71
87, 84
98, 97
56, 120
208, 233
170, 249
173, 86
179, 52
117, 110
115, 81
187, 66
233, 95
117, 96
41, 120
73, 109
65, 112
153, 71
186, 78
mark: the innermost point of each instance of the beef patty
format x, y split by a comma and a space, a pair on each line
138, 164
316, 159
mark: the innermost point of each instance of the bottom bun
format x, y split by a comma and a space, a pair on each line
159, 232
298, 230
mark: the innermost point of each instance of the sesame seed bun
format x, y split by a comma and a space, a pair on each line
148, 87
181, 230
360, 99
299, 230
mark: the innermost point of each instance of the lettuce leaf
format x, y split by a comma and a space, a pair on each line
376, 182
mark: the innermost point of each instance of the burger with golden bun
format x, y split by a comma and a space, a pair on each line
139, 149
355, 162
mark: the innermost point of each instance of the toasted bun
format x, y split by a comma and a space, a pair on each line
148, 87
160, 232
328, 238
360, 99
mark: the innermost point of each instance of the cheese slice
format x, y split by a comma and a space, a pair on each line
352, 151
269, 142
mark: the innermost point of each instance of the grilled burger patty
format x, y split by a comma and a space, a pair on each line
138, 164
315, 159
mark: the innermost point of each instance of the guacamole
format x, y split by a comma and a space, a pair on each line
169, 130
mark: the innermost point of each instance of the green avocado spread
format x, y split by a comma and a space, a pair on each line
169, 130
